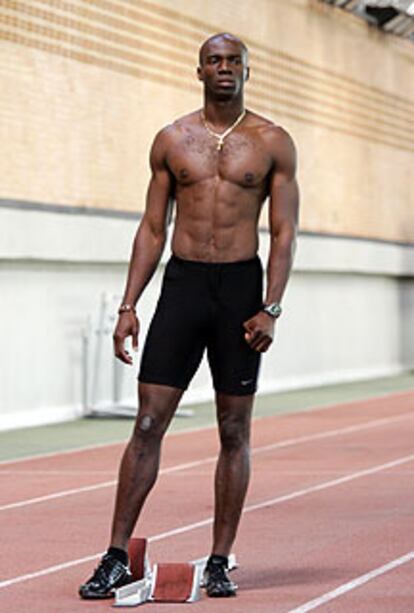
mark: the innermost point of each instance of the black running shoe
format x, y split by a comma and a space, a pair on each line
215, 578
109, 575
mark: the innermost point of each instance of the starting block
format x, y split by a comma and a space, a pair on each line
166, 582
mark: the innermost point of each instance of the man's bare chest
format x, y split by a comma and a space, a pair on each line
242, 160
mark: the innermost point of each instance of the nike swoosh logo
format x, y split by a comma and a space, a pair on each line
246, 382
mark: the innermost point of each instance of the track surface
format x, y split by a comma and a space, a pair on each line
328, 523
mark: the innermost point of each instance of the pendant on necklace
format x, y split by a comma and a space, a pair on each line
220, 144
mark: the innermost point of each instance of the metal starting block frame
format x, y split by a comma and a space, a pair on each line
171, 582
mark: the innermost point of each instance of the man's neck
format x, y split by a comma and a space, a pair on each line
222, 113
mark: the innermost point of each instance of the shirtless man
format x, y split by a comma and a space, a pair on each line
219, 164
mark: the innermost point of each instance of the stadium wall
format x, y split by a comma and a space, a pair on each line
86, 85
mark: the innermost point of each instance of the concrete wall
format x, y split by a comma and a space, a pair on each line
348, 313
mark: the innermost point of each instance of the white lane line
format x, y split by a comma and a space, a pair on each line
307, 409
206, 522
48, 497
58, 473
374, 423
354, 583
98, 446
178, 467
52, 454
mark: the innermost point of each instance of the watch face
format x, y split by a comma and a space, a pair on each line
273, 309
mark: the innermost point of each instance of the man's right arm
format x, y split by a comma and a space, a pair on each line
148, 243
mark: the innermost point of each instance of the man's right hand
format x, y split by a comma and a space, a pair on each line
127, 325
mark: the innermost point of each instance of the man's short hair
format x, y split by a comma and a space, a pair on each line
226, 36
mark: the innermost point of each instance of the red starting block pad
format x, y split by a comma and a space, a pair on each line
173, 582
138, 558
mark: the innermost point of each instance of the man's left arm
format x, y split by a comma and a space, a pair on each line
283, 220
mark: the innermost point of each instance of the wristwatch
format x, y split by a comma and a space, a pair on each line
273, 309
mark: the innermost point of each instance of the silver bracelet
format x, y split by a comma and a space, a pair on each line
126, 308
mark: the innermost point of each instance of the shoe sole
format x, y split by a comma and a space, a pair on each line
221, 595
94, 596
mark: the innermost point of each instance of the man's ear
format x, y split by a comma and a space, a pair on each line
199, 73
247, 73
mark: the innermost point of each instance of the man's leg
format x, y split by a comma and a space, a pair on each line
140, 462
233, 468
137, 475
231, 481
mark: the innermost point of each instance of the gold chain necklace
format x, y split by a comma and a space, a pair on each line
220, 137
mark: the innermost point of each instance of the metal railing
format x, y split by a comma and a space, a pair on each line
103, 376
392, 16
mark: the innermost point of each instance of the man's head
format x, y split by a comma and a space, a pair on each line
223, 65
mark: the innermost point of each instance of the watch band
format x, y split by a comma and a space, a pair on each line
273, 309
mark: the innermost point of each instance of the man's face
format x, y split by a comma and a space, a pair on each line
223, 67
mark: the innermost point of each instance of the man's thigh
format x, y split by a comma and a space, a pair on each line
177, 335
234, 365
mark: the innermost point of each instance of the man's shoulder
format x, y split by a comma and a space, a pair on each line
179, 125
267, 128
172, 134
275, 138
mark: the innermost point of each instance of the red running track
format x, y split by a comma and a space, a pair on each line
327, 522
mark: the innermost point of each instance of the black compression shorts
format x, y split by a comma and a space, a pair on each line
203, 306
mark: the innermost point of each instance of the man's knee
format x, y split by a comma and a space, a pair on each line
146, 423
148, 427
234, 435
234, 417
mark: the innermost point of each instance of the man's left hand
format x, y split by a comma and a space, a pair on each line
259, 331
